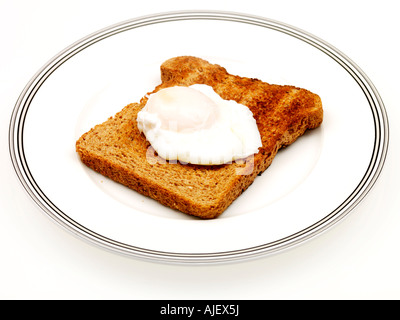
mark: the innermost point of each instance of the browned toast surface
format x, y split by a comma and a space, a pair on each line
119, 151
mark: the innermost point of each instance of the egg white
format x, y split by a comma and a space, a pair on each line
195, 125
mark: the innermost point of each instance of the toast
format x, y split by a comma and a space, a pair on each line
118, 150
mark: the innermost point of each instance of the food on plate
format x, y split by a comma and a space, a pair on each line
200, 138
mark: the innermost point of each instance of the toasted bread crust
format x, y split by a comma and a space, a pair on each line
118, 150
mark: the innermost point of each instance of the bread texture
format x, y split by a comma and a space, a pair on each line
118, 150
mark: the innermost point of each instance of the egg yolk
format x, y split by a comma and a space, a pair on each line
182, 109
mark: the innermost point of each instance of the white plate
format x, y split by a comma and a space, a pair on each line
309, 187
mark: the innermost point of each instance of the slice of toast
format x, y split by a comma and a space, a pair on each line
117, 149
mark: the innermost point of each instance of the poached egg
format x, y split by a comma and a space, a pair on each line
195, 125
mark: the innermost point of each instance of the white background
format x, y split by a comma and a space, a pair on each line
357, 259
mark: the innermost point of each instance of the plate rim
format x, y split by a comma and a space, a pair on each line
380, 118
